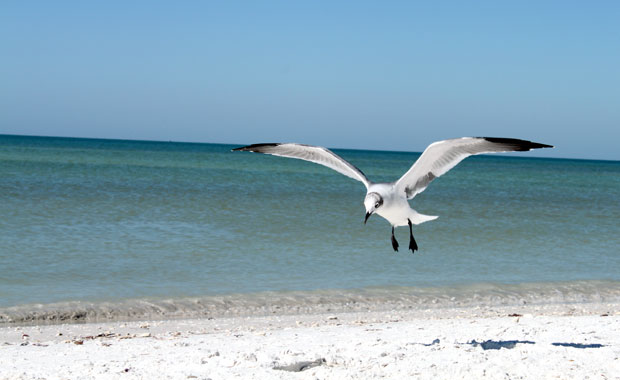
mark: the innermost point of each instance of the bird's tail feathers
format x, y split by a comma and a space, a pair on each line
417, 218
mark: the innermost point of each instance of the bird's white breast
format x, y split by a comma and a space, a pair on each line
395, 208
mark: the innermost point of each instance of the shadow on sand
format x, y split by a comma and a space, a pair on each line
509, 344
497, 344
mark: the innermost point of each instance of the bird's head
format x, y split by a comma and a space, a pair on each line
372, 202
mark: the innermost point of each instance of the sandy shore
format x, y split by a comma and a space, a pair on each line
577, 341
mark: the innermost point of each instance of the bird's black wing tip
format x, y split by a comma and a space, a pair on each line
517, 144
254, 147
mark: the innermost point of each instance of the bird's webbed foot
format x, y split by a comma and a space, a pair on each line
413, 246
394, 242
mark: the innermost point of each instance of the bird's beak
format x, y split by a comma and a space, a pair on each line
368, 214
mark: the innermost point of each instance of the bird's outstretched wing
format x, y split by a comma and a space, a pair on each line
316, 154
441, 156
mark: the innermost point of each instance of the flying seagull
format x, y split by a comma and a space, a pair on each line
389, 200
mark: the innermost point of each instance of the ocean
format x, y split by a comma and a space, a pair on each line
95, 229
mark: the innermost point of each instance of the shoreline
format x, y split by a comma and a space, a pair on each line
533, 341
380, 299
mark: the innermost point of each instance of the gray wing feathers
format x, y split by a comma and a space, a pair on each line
316, 154
441, 156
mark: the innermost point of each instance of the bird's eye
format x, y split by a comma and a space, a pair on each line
377, 205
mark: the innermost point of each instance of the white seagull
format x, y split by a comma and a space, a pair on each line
389, 199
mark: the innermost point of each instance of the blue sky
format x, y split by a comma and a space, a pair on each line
353, 74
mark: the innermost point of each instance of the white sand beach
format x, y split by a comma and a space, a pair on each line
565, 341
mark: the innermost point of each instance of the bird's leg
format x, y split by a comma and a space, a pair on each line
394, 242
413, 246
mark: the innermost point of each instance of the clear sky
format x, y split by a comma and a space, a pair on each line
392, 75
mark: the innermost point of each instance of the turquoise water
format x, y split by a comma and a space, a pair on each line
116, 222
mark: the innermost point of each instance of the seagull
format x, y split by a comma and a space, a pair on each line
390, 199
